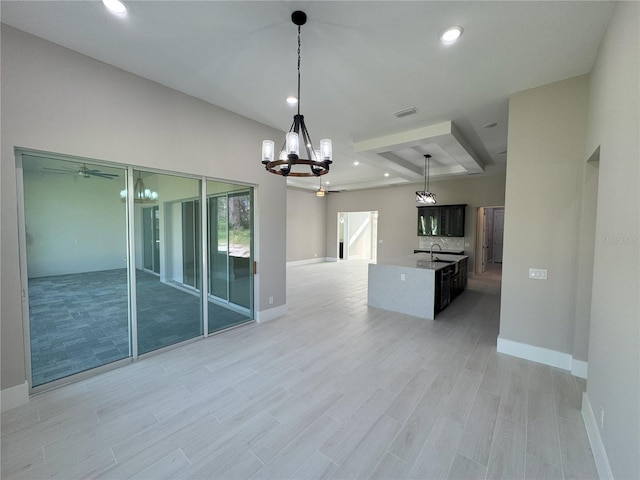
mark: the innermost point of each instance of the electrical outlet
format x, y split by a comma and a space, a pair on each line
402, 278
270, 300
601, 418
538, 273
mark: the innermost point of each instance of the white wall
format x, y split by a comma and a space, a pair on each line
56, 100
614, 343
73, 224
547, 132
397, 212
306, 222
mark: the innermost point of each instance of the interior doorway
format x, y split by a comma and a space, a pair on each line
357, 235
489, 237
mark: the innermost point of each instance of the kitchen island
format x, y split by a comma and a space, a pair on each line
416, 284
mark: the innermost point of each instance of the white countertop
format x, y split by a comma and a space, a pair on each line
423, 260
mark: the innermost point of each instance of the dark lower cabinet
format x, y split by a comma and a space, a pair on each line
451, 281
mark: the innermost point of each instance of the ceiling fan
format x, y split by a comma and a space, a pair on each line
83, 172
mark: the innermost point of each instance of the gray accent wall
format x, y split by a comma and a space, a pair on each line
614, 341
306, 222
56, 100
547, 132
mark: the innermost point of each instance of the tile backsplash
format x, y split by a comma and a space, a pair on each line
447, 243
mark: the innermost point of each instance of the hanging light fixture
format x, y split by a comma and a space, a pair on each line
318, 161
320, 192
141, 194
426, 196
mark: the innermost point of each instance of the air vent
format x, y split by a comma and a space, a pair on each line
405, 112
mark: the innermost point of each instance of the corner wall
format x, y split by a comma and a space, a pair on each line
614, 343
547, 131
56, 100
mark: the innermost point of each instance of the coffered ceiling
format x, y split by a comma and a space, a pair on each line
361, 62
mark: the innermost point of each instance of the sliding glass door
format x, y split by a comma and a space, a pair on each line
230, 234
114, 261
168, 305
75, 232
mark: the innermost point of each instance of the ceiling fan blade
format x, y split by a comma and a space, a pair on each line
108, 176
60, 170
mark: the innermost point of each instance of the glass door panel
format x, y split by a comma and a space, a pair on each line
191, 243
218, 247
230, 235
168, 304
76, 251
151, 238
240, 271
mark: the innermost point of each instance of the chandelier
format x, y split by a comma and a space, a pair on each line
426, 196
319, 160
141, 194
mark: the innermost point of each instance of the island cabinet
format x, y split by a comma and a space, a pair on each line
459, 279
441, 221
416, 284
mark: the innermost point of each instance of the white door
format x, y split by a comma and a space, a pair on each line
498, 232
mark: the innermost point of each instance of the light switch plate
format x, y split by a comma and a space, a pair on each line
538, 273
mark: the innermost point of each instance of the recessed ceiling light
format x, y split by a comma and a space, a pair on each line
489, 125
386, 174
327, 183
291, 100
115, 6
451, 34
356, 163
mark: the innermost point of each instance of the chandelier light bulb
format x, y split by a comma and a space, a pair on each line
293, 145
268, 150
326, 149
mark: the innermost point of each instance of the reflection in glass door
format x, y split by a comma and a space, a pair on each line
76, 250
191, 243
151, 238
240, 249
230, 235
218, 247
168, 306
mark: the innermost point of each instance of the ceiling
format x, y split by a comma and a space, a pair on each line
361, 62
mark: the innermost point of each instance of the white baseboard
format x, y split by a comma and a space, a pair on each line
553, 358
535, 354
271, 314
308, 261
579, 368
597, 447
332, 259
13, 397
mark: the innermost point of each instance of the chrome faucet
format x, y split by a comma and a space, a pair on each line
431, 250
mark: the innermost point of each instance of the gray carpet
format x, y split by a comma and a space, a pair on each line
80, 321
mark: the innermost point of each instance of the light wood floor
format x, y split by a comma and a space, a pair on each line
333, 390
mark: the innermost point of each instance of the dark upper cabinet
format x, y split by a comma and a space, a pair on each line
441, 221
